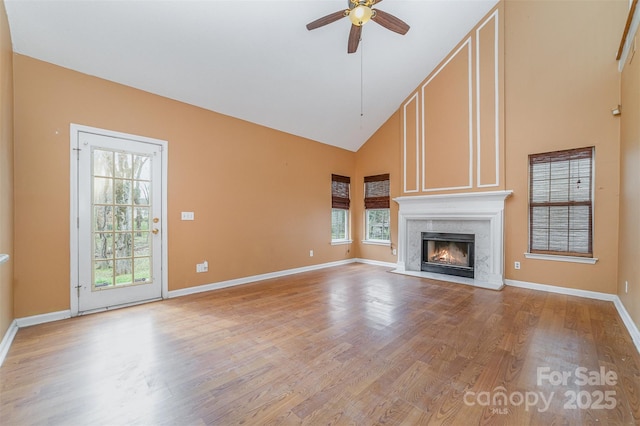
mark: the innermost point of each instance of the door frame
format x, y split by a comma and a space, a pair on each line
74, 216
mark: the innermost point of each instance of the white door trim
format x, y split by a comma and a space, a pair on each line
74, 214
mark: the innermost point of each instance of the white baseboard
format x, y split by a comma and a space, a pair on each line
26, 322
7, 340
41, 319
562, 290
377, 263
254, 278
628, 321
632, 328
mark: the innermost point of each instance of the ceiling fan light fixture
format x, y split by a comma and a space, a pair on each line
361, 14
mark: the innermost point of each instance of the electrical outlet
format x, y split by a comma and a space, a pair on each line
516, 265
310, 253
394, 251
202, 267
188, 216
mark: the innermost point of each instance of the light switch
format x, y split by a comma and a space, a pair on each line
188, 216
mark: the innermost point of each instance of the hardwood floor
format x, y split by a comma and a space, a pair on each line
346, 345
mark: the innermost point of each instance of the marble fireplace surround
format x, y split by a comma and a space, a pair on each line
479, 213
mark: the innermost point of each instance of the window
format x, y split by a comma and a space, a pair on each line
560, 203
376, 204
340, 208
339, 225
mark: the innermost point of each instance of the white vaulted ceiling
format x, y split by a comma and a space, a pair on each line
254, 60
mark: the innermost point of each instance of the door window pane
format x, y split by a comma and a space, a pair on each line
142, 268
122, 165
142, 244
141, 219
103, 244
124, 269
121, 219
123, 244
122, 191
141, 193
124, 218
141, 167
103, 274
102, 190
102, 163
103, 218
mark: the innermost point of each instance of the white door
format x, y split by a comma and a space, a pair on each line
119, 196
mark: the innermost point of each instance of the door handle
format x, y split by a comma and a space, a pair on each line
155, 231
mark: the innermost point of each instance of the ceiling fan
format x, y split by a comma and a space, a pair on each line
360, 12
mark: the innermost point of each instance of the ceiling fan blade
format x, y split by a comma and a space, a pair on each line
332, 17
354, 38
390, 22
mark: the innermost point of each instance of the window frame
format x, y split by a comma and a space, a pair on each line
550, 158
346, 238
340, 201
367, 238
377, 198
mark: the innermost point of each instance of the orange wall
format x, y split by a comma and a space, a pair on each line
629, 245
6, 172
561, 81
377, 156
262, 198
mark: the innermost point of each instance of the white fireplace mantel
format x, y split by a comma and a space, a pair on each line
484, 209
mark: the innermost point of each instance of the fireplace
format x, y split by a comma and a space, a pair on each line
448, 253
474, 213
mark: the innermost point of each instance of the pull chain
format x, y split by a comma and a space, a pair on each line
361, 82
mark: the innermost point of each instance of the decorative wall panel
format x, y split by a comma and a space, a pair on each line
447, 127
453, 123
411, 145
487, 103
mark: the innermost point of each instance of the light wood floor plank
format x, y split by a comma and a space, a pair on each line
351, 345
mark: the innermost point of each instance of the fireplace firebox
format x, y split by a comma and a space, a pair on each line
447, 253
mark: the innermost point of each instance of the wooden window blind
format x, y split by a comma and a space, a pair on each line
560, 202
376, 192
340, 192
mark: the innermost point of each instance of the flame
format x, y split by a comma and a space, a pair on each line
445, 256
